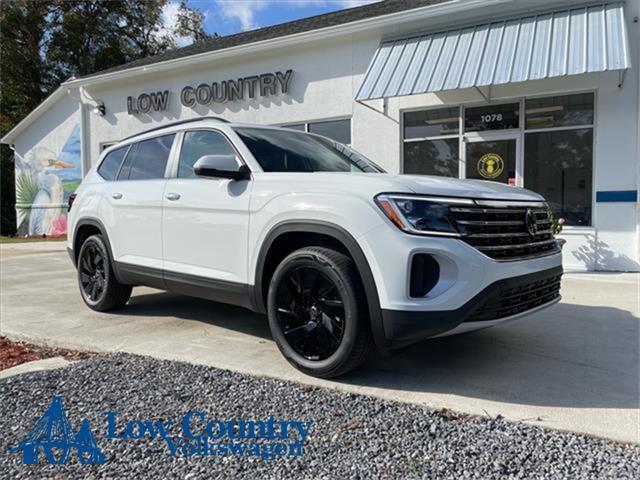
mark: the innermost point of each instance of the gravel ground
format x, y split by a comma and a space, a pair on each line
352, 437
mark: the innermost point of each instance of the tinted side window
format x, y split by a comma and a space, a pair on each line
197, 144
111, 163
147, 159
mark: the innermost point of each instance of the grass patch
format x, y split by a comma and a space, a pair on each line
4, 239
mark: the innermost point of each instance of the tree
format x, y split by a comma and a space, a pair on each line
190, 23
44, 42
93, 35
24, 78
24, 83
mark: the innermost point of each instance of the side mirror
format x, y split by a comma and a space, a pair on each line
220, 166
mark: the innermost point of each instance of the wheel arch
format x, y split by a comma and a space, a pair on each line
84, 228
344, 239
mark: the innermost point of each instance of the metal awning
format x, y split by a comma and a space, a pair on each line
552, 44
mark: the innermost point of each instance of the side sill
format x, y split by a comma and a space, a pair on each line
136, 275
209, 289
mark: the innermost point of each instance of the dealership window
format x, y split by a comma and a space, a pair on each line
558, 147
338, 130
431, 142
147, 159
558, 154
197, 144
492, 117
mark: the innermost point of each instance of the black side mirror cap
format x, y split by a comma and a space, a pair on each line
221, 166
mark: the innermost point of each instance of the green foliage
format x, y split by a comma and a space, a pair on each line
26, 191
556, 224
190, 23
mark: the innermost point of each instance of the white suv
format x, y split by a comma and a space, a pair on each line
337, 253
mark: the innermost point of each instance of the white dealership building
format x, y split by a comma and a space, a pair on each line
533, 93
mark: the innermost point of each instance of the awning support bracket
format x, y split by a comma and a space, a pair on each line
622, 75
486, 98
384, 111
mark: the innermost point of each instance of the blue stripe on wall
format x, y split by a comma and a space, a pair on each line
617, 196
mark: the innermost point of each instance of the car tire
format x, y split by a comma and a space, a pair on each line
318, 314
99, 287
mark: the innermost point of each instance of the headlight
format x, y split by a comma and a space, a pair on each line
421, 215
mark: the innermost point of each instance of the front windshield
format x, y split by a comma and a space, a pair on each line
288, 151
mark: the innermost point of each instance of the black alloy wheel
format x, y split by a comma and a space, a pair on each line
98, 284
93, 276
318, 313
311, 313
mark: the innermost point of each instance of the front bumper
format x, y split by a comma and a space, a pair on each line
503, 299
468, 283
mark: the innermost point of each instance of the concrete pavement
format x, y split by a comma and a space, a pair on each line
574, 366
35, 366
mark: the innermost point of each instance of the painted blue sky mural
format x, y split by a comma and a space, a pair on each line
70, 153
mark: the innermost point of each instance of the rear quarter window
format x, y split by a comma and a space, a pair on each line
108, 169
147, 159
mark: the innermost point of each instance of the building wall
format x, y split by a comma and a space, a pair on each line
320, 88
48, 169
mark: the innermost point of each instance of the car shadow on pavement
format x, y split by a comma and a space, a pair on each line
566, 356
165, 304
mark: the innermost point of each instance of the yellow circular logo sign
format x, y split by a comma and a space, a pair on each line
490, 166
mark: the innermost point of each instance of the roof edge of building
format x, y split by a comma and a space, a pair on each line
444, 7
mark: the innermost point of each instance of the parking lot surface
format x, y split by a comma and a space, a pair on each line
571, 367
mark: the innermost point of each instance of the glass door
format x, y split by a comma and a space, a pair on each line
493, 158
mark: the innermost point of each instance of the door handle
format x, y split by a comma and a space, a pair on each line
116, 196
172, 196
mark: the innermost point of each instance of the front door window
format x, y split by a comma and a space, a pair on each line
492, 160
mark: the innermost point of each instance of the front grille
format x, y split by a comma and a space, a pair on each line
511, 300
502, 233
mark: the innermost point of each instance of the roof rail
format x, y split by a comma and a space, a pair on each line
173, 124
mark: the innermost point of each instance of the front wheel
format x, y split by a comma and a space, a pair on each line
317, 312
99, 287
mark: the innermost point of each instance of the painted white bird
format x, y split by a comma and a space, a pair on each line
45, 208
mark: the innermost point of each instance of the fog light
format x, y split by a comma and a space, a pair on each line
425, 272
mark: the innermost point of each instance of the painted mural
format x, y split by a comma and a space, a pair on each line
44, 181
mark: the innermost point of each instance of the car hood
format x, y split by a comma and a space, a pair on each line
431, 185
367, 185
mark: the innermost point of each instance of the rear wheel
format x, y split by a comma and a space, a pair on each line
317, 313
99, 287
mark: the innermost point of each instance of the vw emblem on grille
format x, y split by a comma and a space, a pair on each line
530, 222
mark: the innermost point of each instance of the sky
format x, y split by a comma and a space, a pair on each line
226, 17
